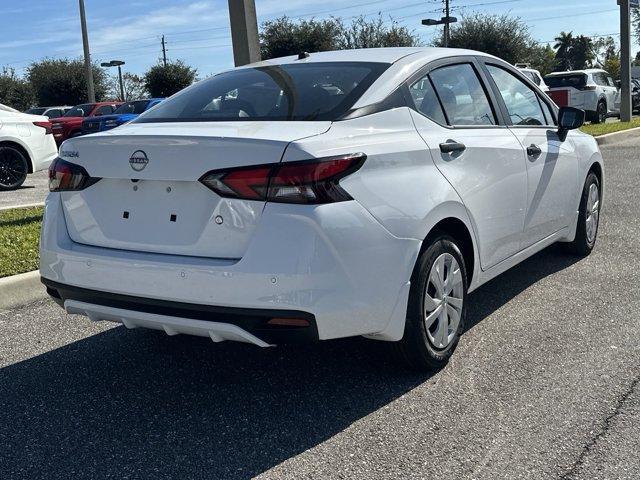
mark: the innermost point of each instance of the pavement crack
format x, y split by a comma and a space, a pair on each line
606, 426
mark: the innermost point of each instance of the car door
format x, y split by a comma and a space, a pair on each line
552, 165
454, 113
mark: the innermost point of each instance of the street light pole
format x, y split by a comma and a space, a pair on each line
117, 63
91, 95
121, 87
244, 31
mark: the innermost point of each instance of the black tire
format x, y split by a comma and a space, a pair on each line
600, 115
582, 245
13, 168
416, 349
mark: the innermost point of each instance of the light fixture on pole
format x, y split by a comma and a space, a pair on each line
116, 63
446, 21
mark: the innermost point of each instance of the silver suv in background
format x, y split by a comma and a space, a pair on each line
535, 76
592, 90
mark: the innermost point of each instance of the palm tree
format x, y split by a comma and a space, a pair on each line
563, 46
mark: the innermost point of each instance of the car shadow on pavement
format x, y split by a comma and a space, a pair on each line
139, 404
492, 295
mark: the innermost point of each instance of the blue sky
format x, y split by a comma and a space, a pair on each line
197, 31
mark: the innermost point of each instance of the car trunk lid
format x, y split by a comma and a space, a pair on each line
149, 197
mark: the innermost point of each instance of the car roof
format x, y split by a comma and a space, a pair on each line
584, 71
377, 55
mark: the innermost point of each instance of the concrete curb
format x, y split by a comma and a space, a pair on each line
615, 137
21, 289
26, 205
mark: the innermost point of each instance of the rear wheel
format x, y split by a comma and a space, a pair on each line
436, 311
588, 217
601, 112
13, 168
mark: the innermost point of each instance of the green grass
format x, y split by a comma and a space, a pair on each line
19, 234
604, 128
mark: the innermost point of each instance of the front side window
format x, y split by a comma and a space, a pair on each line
136, 107
521, 101
104, 110
426, 102
295, 91
80, 110
464, 100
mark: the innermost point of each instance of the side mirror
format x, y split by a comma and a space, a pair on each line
569, 118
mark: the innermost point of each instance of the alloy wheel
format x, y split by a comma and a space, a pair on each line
12, 168
592, 213
443, 301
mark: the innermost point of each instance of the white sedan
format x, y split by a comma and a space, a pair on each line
26, 146
321, 196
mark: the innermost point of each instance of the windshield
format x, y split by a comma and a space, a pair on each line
575, 80
136, 107
80, 110
306, 91
36, 111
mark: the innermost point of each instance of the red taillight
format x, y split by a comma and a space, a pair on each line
45, 125
308, 181
65, 176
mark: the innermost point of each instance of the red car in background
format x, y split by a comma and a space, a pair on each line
70, 124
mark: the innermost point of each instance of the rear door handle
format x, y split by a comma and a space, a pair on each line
533, 150
450, 147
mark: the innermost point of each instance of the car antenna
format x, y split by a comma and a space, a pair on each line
303, 55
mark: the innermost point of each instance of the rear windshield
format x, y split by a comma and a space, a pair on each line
80, 110
306, 91
575, 80
136, 107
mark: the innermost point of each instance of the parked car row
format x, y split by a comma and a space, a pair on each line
69, 122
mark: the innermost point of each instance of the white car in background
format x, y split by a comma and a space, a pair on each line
358, 192
49, 112
592, 90
535, 76
26, 146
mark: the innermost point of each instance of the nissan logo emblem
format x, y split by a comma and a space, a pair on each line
138, 160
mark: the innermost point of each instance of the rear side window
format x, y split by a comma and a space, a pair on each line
104, 110
463, 98
297, 91
575, 80
521, 101
426, 101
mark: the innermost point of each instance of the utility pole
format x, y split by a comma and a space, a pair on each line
91, 95
625, 60
244, 31
164, 52
446, 25
117, 63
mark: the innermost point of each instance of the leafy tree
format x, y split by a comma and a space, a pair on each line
62, 82
14, 91
573, 53
563, 46
607, 55
283, 36
161, 81
500, 35
363, 33
542, 58
133, 86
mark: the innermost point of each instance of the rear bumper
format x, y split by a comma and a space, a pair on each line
333, 263
218, 323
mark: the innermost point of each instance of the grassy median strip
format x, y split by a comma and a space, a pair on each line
604, 128
19, 234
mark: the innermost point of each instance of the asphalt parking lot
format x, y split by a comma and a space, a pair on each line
34, 190
544, 384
